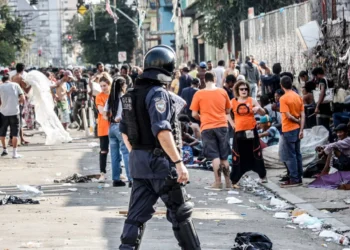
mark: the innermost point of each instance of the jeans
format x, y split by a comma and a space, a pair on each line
291, 154
116, 145
341, 117
253, 90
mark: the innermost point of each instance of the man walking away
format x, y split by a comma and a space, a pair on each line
201, 74
11, 95
185, 80
219, 72
213, 105
252, 75
187, 94
293, 119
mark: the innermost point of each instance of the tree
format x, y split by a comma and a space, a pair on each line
110, 37
11, 36
222, 17
7, 53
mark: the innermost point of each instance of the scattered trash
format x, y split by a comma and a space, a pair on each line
297, 212
337, 238
280, 215
306, 221
211, 194
245, 206
67, 184
31, 245
291, 227
233, 200
243, 214
252, 241
347, 201
251, 201
78, 178
93, 144
200, 223
233, 192
30, 191
58, 174
268, 208
72, 189
278, 203
10, 199
324, 245
107, 185
2, 192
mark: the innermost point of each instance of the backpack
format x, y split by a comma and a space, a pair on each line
252, 241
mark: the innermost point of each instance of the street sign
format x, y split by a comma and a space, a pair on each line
122, 56
82, 10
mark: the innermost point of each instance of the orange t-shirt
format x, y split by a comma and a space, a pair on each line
293, 103
212, 105
103, 125
244, 117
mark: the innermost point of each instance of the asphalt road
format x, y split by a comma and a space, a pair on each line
89, 218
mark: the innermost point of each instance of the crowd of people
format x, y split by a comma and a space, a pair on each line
254, 106
230, 115
73, 90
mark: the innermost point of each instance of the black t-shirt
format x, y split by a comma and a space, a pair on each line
81, 89
229, 93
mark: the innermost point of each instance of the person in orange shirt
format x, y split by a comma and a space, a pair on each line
246, 150
103, 124
293, 119
211, 106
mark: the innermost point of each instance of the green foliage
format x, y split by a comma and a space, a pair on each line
103, 49
7, 53
11, 36
224, 16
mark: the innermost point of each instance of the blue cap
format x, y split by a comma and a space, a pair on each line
203, 65
264, 119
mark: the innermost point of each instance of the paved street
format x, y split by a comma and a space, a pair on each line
89, 218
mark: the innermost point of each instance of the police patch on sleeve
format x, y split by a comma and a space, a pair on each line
161, 106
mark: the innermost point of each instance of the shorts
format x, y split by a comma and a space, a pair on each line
13, 122
104, 143
216, 143
64, 115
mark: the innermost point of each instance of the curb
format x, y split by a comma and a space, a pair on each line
302, 204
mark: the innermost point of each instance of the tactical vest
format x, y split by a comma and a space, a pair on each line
137, 120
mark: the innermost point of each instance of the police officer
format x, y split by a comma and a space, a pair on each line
152, 134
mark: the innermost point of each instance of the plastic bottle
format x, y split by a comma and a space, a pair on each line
341, 240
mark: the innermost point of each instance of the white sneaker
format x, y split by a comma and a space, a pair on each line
102, 178
17, 156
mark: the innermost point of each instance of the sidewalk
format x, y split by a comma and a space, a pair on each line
89, 218
316, 201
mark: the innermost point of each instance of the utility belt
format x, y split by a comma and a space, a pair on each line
159, 152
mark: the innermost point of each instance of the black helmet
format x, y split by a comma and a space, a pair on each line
162, 58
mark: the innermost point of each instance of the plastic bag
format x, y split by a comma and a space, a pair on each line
256, 241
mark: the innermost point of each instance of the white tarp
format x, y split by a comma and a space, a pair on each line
40, 96
314, 137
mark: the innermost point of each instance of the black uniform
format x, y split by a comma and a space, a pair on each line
148, 110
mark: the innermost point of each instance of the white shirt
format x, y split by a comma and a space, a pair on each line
219, 72
119, 111
9, 94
